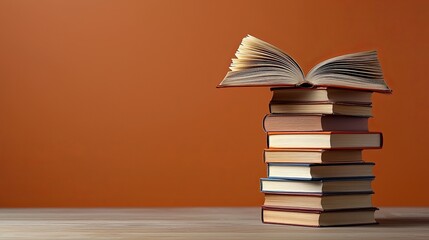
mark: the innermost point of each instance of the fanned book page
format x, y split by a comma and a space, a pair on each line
258, 63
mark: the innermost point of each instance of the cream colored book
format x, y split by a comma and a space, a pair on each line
311, 156
325, 140
320, 171
318, 218
319, 201
331, 186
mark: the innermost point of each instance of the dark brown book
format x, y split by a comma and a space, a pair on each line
311, 155
325, 140
319, 202
286, 122
326, 108
316, 218
321, 94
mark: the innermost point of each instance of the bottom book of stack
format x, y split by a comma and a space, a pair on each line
318, 218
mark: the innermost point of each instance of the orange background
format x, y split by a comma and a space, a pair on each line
113, 103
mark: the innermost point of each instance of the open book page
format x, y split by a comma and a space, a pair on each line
357, 70
259, 63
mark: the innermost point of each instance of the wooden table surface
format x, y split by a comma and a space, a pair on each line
195, 223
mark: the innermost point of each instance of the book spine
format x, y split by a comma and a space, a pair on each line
268, 170
263, 122
268, 140
264, 157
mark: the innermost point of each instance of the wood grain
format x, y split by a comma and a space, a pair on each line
194, 223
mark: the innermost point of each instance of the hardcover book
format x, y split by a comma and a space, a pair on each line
318, 201
288, 122
320, 171
321, 94
296, 185
325, 140
321, 108
314, 218
311, 156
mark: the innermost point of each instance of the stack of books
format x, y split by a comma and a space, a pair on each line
316, 174
316, 131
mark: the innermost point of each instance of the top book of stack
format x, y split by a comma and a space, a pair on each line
258, 63
326, 101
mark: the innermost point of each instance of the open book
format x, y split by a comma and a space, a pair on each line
261, 64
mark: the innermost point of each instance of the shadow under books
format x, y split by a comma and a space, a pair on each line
403, 221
